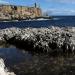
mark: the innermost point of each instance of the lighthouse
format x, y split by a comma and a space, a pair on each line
35, 5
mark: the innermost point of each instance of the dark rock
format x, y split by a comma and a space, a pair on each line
40, 39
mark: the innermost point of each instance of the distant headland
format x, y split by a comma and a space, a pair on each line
11, 12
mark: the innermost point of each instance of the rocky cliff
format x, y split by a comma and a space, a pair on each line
19, 12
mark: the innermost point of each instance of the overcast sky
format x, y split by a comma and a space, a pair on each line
54, 7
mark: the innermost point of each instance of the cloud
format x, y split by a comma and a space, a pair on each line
61, 12
3, 2
62, 1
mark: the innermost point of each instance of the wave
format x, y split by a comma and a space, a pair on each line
3, 69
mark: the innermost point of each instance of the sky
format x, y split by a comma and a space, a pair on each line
53, 7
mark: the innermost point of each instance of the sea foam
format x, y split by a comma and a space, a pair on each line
3, 69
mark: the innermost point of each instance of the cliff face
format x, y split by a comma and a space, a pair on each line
19, 12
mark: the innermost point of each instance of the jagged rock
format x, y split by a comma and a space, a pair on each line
41, 39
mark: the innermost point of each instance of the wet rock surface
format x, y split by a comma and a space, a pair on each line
47, 40
45, 65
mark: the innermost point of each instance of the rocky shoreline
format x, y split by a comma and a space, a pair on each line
45, 40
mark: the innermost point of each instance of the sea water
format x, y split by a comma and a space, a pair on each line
56, 21
22, 62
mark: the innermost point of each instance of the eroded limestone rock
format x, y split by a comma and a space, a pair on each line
41, 39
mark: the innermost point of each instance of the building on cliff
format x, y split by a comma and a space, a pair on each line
19, 12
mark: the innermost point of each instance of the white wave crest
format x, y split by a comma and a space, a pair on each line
3, 69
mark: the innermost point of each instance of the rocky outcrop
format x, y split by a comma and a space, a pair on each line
52, 39
8, 12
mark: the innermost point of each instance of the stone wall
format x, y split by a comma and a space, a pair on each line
19, 12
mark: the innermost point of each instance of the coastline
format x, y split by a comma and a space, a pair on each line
29, 19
